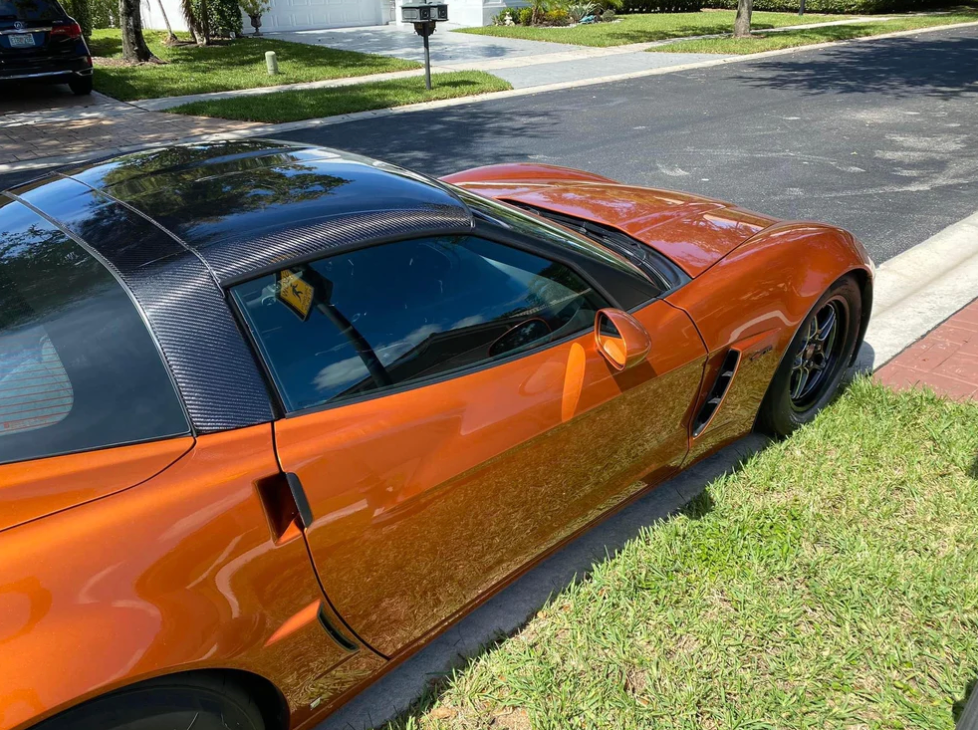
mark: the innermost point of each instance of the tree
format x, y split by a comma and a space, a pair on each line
195, 13
171, 38
134, 48
742, 23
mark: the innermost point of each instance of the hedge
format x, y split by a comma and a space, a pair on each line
663, 6
835, 6
81, 12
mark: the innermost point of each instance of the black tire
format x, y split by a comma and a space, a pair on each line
80, 85
787, 406
168, 703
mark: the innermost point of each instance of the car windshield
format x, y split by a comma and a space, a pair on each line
29, 10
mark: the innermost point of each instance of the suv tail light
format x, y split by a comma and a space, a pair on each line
72, 30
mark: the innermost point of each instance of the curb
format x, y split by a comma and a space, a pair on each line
274, 129
918, 289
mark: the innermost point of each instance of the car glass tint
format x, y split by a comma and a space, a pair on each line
382, 317
78, 369
29, 10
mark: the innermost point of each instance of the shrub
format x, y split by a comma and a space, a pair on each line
523, 16
557, 16
81, 11
223, 16
607, 16
666, 6
580, 8
834, 6
105, 13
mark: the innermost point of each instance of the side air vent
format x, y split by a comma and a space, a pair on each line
717, 392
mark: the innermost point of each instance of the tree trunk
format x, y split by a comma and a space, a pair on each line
742, 23
171, 37
205, 24
193, 23
134, 48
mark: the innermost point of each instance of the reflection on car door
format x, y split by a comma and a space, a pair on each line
437, 461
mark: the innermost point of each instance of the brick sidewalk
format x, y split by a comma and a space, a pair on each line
945, 360
107, 126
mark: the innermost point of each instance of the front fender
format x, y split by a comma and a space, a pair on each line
760, 293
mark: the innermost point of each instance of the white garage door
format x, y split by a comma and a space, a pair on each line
302, 14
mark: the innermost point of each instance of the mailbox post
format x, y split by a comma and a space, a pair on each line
424, 16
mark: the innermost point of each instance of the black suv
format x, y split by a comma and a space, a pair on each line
39, 42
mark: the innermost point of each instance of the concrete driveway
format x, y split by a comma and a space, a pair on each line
447, 48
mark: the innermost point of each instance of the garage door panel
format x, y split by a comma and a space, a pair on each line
301, 14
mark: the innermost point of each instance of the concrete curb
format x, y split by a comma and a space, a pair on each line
274, 129
920, 288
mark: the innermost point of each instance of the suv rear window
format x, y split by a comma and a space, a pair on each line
30, 10
78, 368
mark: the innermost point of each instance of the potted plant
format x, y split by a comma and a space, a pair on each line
254, 10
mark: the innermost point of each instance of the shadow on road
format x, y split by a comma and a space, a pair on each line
418, 682
939, 67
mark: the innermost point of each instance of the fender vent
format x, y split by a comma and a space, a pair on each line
717, 392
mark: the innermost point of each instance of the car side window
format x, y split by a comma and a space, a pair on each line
78, 368
382, 317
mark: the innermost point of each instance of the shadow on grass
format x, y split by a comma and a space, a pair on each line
412, 688
936, 67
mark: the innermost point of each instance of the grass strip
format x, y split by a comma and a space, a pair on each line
293, 106
760, 42
830, 582
648, 27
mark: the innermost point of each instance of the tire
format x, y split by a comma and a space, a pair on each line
80, 85
792, 400
168, 703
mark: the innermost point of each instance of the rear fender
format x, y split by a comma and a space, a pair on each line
178, 574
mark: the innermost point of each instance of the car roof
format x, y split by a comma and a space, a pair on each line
175, 225
244, 206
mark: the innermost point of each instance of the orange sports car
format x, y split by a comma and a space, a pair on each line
273, 416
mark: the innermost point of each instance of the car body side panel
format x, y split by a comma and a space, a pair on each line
29, 490
523, 172
426, 499
178, 574
756, 298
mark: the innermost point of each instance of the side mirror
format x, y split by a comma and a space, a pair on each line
621, 338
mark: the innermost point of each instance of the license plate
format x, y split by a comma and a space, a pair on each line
22, 41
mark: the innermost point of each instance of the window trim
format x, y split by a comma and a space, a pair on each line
486, 231
107, 265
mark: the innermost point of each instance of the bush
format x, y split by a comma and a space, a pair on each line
607, 16
558, 16
580, 8
105, 13
523, 16
81, 11
666, 6
834, 6
223, 16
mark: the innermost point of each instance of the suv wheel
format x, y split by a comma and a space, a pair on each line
81, 85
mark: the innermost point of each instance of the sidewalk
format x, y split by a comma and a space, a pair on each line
945, 360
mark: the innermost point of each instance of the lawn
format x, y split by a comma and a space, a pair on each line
292, 106
793, 38
238, 64
645, 28
831, 582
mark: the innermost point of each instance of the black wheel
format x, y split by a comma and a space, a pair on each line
80, 85
815, 362
204, 702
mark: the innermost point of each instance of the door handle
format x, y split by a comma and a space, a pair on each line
299, 497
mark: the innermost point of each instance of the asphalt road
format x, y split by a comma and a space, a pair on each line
879, 137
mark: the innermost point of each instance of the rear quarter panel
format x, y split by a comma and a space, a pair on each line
755, 299
176, 574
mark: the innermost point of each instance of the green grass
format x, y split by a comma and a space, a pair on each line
831, 582
647, 27
793, 38
236, 65
292, 106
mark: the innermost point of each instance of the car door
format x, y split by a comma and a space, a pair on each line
450, 418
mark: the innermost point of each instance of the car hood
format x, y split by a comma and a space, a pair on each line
693, 231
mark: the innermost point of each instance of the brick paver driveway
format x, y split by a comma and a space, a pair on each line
37, 123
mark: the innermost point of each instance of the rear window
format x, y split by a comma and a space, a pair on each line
78, 369
30, 10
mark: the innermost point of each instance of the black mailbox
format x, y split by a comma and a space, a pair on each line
424, 12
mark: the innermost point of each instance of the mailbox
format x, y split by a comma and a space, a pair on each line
424, 16
424, 12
